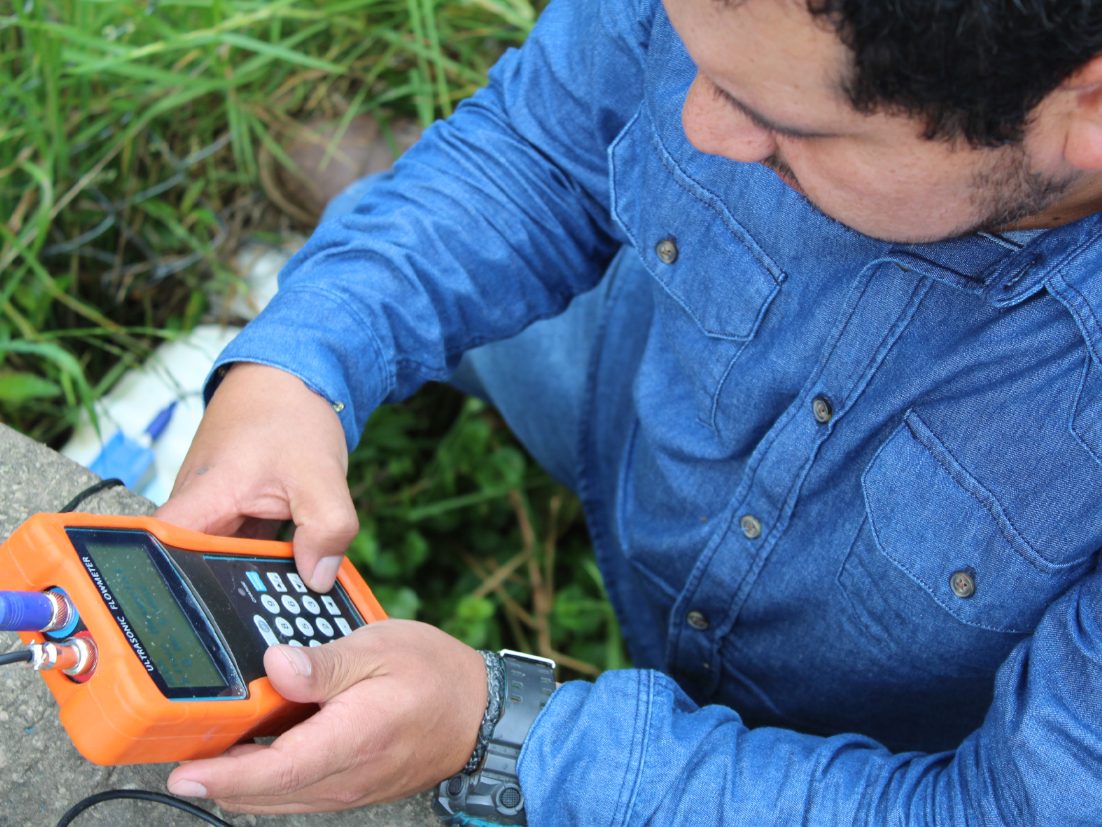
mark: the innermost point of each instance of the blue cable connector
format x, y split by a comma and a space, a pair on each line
36, 611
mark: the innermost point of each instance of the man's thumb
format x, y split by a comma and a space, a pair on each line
310, 675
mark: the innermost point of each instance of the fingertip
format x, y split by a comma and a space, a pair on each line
297, 658
291, 672
187, 788
325, 574
190, 510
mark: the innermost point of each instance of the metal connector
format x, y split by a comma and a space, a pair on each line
76, 656
87, 656
43, 656
63, 611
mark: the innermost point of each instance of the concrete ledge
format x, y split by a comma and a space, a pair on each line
41, 774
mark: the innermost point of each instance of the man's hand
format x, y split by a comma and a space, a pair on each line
401, 706
269, 449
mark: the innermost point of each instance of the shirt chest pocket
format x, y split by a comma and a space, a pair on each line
938, 572
715, 284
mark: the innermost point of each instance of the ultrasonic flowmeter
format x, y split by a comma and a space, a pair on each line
152, 637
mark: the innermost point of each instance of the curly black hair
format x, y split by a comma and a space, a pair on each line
972, 69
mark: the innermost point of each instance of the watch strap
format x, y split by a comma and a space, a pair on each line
495, 699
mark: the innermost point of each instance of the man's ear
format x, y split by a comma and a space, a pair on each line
1083, 144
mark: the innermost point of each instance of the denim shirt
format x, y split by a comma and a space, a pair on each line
797, 441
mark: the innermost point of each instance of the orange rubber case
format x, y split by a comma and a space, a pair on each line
119, 716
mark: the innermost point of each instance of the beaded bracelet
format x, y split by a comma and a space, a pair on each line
495, 700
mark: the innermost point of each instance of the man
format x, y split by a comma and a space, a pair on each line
831, 402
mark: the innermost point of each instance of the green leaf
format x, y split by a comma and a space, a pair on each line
577, 612
505, 467
364, 548
387, 566
399, 602
415, 550
19, 387
272, 50
471, 621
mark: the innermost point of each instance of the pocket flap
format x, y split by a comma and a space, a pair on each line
721, 279
934, 520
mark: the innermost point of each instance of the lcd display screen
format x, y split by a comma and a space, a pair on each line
157, 620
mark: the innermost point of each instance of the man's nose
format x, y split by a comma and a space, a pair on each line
715, 126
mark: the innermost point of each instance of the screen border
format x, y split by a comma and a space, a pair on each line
233, 687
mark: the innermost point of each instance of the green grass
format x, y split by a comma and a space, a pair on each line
131, 139
129, 143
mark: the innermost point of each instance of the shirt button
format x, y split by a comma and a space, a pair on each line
821, 409
963, 584
751, 527
666, 251
697, 620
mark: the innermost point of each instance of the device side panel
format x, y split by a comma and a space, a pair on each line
360, 592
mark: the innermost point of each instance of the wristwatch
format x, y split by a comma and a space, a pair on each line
490, 793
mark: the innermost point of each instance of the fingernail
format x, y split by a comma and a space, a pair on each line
188, 789
325, 574
299, 662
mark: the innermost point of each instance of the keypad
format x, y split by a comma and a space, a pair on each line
281, 607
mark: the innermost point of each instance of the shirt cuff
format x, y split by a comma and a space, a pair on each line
584, 756
311, 333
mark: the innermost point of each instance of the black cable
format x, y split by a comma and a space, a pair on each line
88, 492
142, 795
17, 656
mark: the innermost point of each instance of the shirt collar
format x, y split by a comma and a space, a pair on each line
1005, 274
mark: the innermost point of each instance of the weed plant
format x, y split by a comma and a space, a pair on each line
465, 531
133, 138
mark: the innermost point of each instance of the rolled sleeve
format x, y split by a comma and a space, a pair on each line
330, 344
495, 219
634, 749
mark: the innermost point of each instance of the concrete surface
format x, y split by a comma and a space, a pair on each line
41, 774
